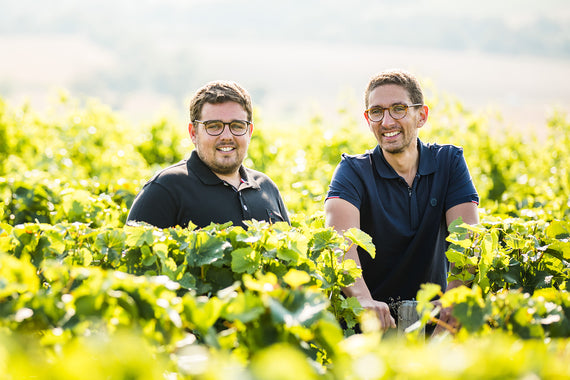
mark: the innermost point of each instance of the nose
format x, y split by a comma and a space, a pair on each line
387, 119
226, 131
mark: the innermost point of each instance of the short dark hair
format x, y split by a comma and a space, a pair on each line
217, 92
398, 77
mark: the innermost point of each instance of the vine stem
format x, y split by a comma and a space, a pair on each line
348, 249
445, 325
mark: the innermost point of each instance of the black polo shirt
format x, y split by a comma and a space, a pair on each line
190, 191
407, 224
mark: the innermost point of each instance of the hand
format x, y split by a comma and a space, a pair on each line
382, 311
446, 320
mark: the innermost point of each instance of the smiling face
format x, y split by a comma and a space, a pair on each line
225, 153
395, 136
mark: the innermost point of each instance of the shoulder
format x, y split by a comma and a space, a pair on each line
443, 148
258, 177
353, 169
444, 152
356, 161
354, 166
172, 172
362, 157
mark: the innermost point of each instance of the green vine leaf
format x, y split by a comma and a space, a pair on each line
362, 239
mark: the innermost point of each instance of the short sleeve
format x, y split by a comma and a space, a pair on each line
460, 188
346, 183
154, 205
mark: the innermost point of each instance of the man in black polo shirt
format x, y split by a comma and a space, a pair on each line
212, 186
404, 194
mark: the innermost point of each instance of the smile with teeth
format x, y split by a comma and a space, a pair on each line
226, 148
391, 134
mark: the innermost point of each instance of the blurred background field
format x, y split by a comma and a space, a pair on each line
99, 90
81, 162
298, 58
93, 101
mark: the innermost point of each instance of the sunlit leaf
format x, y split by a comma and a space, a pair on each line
263, 283
558, 229
559, 249
203, 312
245, 307
362, 239
137, 236
206, 250
245, 260
111, 243
283, 362
295, 278
298, 309
289, 255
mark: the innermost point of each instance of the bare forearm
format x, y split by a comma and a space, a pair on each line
359, 288
341, 215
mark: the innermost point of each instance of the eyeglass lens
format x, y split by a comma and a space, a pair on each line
397, 111
216, 127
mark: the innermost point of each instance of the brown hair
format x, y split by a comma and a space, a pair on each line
217, 92
398, 77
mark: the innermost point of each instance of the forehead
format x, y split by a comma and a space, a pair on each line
226, 111
388, 94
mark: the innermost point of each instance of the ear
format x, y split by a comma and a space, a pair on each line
423, 116
368, 122
251, 130
192, 132
366, 117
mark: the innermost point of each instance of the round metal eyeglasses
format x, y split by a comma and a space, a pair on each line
216, 127
397, 111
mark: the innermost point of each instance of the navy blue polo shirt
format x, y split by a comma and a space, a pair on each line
407, 224
190, 191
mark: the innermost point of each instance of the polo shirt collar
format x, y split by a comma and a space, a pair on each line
427, 162
207, 176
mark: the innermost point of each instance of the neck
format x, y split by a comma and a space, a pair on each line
233, 179
404, 163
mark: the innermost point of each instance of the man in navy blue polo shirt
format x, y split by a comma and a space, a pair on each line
212, 186
404, 194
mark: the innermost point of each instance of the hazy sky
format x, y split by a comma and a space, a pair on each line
297, 58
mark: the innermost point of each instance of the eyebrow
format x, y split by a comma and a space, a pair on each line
393, 104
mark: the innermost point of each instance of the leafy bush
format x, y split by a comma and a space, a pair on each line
266, 302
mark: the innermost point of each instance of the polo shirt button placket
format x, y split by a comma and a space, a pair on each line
245, 211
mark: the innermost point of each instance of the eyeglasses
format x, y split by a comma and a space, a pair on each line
397, 111
216, 127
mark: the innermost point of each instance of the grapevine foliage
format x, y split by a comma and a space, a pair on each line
81, 292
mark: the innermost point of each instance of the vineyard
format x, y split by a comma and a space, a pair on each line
82, 295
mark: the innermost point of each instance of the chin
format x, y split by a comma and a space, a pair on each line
392, 149
226, 169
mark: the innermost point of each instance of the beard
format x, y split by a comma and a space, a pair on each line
221, 165
399, 146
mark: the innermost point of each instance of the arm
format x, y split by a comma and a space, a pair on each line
468, 213
282, 208
154, 205
342, 215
